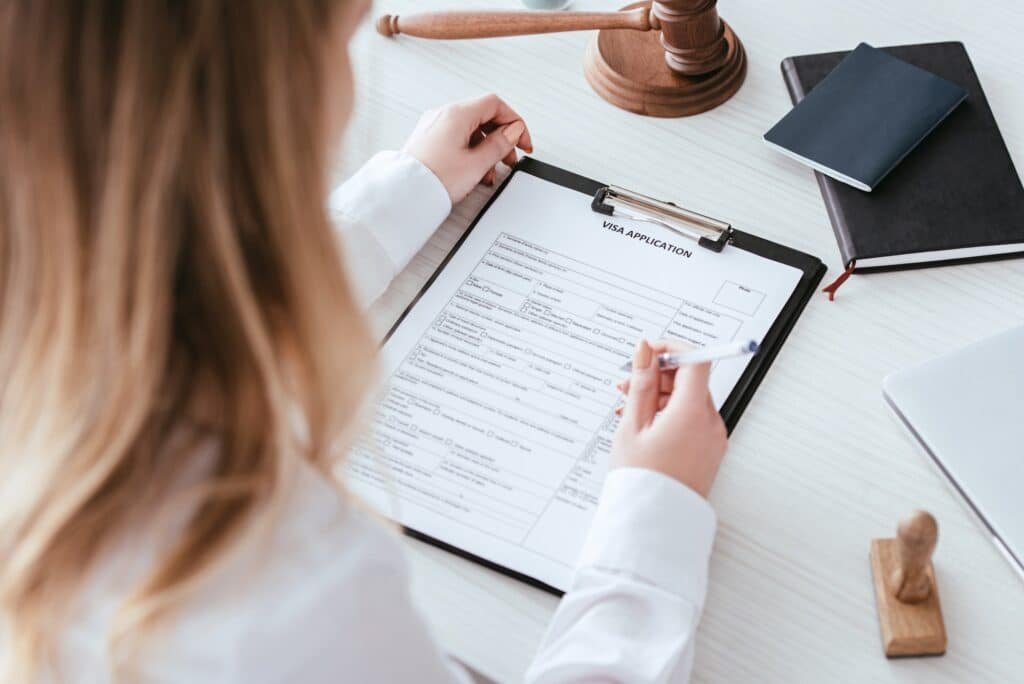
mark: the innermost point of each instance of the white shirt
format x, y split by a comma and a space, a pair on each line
324, 596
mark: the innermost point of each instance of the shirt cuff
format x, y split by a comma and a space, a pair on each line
400, 201
654, 528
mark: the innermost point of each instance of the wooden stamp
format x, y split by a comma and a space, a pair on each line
905, 590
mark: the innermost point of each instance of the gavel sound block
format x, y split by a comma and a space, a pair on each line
664, 58
905, 589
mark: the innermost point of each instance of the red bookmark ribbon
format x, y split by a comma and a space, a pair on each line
843, 277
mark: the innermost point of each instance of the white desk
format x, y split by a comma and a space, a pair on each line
816, 467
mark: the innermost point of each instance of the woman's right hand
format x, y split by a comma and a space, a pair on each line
669, 422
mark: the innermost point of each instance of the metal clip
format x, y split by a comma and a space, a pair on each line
707, 232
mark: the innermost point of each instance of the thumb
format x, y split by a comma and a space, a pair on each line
490, 151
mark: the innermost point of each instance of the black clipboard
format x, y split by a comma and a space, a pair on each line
812, 269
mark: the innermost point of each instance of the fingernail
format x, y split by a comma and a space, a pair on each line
642, 357
513, 131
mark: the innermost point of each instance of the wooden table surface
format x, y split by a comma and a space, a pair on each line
817, 467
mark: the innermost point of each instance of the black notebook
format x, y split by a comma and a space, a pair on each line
957, 197
867, 115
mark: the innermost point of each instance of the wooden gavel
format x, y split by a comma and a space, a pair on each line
692, 34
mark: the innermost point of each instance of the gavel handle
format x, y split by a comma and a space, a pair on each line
455, 25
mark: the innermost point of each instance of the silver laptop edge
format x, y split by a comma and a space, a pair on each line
1016, 562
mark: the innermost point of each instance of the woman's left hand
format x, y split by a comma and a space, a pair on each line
463, 142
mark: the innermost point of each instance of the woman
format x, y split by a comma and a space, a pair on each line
183, 360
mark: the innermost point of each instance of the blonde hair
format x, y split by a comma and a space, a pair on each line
166, 265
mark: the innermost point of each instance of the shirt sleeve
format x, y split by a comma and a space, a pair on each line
385, 214
632, 610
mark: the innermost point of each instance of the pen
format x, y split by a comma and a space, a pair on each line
725, 351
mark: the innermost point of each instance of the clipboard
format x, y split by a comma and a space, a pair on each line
708, 233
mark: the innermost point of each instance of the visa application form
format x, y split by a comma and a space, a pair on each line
494, 430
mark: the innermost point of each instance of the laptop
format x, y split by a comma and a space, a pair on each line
966, 411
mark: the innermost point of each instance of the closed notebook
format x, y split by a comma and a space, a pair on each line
869, 113
956, 198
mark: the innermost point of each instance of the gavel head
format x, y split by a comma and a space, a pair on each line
692, 34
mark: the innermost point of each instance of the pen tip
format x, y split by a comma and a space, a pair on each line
753, 347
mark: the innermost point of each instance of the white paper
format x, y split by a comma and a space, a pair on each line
494, 431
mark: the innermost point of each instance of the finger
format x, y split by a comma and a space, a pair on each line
642, 402
510, 159
663, 399
516, 132
618, 410
489, 177
523, 141
491, 150
526, 141
692, 384
665, 384
491, 109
